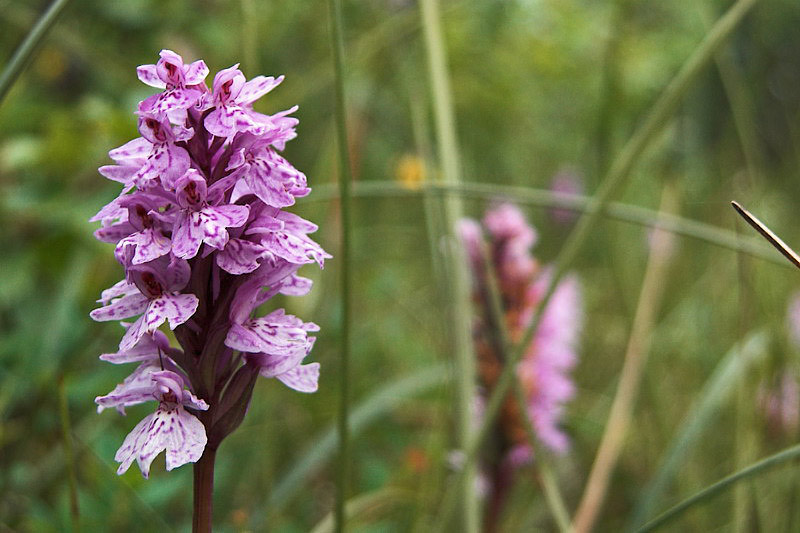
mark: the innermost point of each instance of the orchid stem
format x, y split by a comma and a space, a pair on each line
204, 491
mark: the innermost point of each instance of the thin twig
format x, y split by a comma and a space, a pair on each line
69, 457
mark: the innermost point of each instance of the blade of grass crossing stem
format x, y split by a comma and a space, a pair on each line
455, 259
69, 457
616, 177
718, 389
622, 212
636, 353
721, 486
22, 54
337, 45
543, 464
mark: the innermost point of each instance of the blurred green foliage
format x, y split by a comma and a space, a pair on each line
538, 85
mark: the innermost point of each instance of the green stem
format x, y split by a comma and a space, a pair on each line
455, 260
720, 486
337, 44
23, 53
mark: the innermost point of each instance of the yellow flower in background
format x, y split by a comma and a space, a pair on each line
410, 171
51, 63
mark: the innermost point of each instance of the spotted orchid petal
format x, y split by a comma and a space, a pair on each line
137, 388
302, 378
171, 429
240, 256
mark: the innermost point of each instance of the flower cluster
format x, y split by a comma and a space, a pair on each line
200, 230
544, 369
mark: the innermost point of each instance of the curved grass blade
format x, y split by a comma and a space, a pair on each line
623, 212
721, 486
716, 391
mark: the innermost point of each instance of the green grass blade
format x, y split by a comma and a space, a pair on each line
721, 486
633, 214
718, 389
454, 260
337, 45
23, 53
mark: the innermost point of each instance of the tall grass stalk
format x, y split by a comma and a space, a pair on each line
740, 103
619, 418
455, 260
25, 50
250, 36
337, 45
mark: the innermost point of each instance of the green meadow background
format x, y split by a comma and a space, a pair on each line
539, 87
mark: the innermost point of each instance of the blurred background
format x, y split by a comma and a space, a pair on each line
543, 90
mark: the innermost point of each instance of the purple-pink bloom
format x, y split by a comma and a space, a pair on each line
170, 428
201, 234
165, 160
233, 97
198, 222
183, 83
158, 300
267, 175
780, 403
548, 360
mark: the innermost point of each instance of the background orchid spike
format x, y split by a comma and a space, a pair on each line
200, 233
544, 372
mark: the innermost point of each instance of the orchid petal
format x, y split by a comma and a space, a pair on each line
125, 307
304, 378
